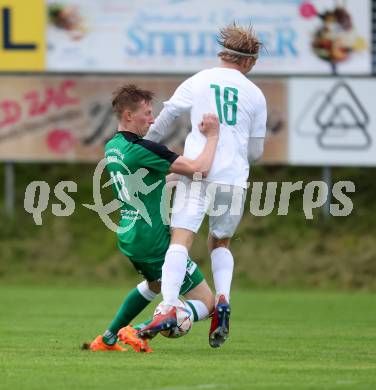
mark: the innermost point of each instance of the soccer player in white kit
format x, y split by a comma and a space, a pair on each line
241, 108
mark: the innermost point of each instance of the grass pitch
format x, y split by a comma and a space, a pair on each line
279, 340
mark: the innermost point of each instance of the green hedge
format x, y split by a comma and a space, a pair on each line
269, 251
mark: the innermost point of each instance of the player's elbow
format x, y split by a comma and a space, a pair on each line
255, 156
256, 149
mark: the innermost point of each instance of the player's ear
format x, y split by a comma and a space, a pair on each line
244, 64
250, 63
127, 115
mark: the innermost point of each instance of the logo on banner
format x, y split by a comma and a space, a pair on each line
22, 42
336, 39
337, 119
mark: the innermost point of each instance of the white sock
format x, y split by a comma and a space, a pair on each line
222, 268
144, 290
173, 273
198, 309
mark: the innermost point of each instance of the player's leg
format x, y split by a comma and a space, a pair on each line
128, 334
197, 293
222, 268
151, 271
187, 215
175, 264
199, 299
221, 229
222, 263
222, 226
135, 301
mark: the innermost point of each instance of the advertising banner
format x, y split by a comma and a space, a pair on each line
332, 122
60, 118
22, 35
170, 36
321, 121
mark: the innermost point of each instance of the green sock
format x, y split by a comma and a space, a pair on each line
109, 338
133, 304
142, 324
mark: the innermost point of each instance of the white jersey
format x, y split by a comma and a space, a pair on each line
241, 108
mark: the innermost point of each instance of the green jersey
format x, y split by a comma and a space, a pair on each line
138, 169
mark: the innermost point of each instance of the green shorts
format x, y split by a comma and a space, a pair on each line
152, 271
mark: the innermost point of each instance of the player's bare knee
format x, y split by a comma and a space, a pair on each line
183, 237
214, 242
155, 286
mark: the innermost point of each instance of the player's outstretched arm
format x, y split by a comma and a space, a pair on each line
202, 164
255, 148
180, 102
258, 131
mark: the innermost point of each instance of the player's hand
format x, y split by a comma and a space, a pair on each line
172, 180
209, 125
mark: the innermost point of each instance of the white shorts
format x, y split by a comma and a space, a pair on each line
223, 203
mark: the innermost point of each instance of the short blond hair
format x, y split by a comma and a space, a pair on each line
240, 39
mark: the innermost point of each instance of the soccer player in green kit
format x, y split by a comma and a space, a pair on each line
138, 169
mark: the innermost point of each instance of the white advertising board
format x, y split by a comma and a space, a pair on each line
180, 36
332, 122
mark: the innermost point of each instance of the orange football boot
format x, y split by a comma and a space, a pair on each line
99, 345
128, 335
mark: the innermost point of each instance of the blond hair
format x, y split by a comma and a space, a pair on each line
238, 39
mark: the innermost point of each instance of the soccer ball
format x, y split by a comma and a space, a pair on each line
184, 323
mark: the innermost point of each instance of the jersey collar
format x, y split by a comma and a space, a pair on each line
129, 136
